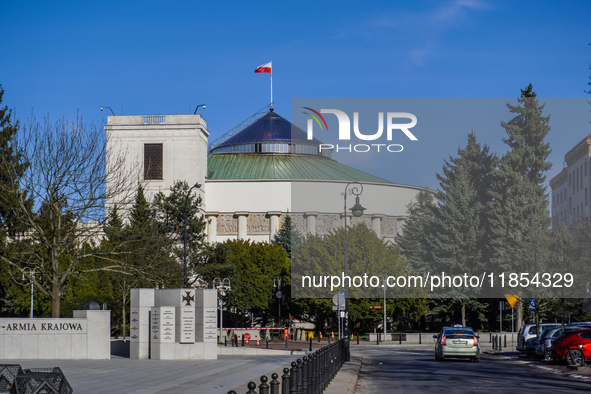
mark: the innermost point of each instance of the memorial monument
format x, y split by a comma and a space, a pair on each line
173, 324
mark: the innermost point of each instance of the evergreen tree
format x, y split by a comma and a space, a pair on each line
288, 237
459, 228
148, 251
169, 211
417, 230
519, 211
12, 169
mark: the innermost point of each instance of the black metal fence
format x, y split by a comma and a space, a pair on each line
15, 380
310, 374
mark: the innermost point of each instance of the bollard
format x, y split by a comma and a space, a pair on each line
267, 345
490, 339
378, 339
319, 335
293, 379
299, 376
264, 386
242, 339
251, 386
225, 341
286, 342
400, 338
582, 356
305, 387
231, 392
358, 339
328, 339
310, 344
274, 384
505, 341
314, 373
285, 381
420, 338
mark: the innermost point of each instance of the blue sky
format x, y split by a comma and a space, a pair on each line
156, 57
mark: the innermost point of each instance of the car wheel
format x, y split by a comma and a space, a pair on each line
476, 359
436, 356
442, 358
573, 357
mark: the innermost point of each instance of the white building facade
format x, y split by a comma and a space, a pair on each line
254, 178
570, 188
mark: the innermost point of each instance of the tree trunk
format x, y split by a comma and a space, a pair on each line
55, 302
519, 314
463, 315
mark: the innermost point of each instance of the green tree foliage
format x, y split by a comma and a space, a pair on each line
319, 256
288, 237
12, 168
251, 267
148, 250
169, 211
460, 229
519, 214
460, 223
65, 175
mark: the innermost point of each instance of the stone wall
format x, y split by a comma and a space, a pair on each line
85, 337
227, 224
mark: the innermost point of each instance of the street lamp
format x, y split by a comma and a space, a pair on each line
221, 287
357, 210
278, 282
185, 282
32, 276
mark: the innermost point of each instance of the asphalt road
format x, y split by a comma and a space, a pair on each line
408, 371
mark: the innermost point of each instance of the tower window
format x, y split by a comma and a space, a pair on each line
152, 161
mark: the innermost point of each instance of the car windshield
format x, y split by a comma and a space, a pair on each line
545, 333
532, 329
458, 331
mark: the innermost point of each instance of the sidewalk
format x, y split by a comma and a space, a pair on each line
129, 376
346, 380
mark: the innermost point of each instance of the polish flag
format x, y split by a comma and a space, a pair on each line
264, 68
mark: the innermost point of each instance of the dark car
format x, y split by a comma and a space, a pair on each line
545, 341
530, 346
579, 342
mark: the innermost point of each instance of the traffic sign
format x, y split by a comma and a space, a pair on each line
512, 299
339, 299
377, 307
247, 335
278, 294
532, 305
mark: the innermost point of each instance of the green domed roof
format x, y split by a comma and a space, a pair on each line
287, 167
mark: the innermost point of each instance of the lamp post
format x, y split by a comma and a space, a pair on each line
278, 282
357, 210
221, 287
185, 282
32, 276
384, 286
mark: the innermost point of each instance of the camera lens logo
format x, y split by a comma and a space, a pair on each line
316, 118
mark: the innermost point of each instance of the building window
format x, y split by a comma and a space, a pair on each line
152, 162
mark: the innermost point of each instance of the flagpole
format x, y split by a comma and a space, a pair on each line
271, 87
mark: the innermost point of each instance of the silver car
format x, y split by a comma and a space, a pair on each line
457, 342
528, 331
